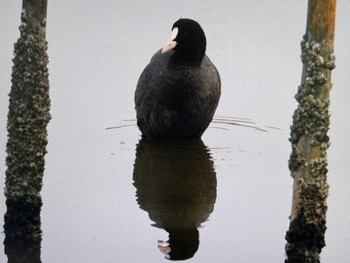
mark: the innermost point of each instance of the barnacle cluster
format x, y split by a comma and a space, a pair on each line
312, 115
308, 162
311, 118
28, 116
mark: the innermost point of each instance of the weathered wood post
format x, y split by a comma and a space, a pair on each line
308, 160
28, 117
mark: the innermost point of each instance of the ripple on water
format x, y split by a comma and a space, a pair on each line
223, 122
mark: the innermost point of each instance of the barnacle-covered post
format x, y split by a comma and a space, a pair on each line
28, 117
308, 161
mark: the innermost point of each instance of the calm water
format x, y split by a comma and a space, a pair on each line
111, 197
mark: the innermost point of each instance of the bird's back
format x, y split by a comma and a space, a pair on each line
176, 101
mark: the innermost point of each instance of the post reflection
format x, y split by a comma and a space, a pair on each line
23, 251
176, 184
22, 229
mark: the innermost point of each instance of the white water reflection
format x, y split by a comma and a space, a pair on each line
97, 51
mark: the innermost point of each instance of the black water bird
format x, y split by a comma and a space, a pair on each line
179, 90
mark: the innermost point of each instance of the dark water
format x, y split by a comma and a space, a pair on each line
109, 196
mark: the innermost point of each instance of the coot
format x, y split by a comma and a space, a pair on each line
178, 91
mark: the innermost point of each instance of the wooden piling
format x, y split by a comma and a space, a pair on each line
308, 160
28, 116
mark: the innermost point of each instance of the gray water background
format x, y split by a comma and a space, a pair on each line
97, 50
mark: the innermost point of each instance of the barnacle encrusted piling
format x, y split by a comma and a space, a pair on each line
308, 162
28, 116
311, 118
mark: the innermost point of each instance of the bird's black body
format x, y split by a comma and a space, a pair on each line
179, 90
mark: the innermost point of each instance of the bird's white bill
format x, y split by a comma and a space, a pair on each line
169, 46
171, 43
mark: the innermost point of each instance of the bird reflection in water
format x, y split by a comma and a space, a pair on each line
176, 184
